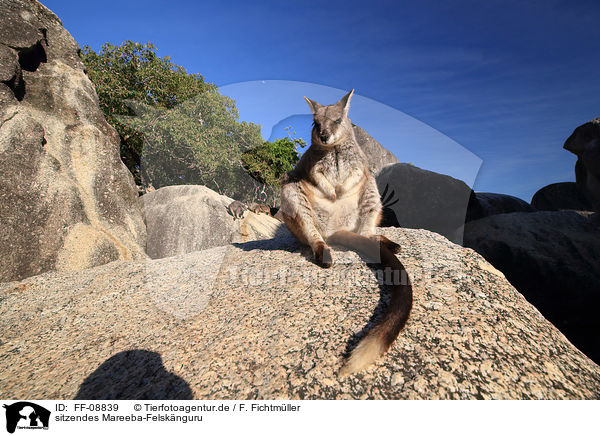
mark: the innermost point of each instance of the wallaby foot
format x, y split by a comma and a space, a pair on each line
390, 245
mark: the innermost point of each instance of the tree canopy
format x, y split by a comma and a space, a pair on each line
134, 72
269, 161
176, 128
198, 142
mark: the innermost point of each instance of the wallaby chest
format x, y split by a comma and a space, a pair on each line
338, 163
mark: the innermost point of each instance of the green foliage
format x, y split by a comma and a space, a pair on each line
134, 72
269, 161
199, 141
177, 129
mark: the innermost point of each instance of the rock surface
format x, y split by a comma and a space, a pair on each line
553, 259
426, 200
260, 320
377, 155
585, 143
560, 196
67, 202
482, 204
185, 218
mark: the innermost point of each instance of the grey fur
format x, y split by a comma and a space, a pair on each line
260, 208
331, 188
237, 209
332, 196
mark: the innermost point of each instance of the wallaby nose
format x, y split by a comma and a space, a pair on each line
324, 136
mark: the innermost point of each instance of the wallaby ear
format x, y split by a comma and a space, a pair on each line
345, 101
313, 105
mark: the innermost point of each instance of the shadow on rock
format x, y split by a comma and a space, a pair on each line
134, 375
282, 240
291, 244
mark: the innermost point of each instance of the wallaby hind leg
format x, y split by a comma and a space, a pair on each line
298, 217
387, 243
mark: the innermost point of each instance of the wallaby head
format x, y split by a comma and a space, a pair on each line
331, 125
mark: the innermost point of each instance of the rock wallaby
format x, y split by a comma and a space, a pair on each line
260, 208
330, 197
237, 209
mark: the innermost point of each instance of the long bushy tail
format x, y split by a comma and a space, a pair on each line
379, 339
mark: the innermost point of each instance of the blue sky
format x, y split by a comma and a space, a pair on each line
507, 80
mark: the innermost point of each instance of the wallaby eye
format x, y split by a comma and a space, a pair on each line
338, 121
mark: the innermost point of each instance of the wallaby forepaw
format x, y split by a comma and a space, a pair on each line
323, 255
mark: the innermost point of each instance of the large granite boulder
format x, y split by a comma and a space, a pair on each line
482, 204
560, 196
417, 198
67, 202
553, 259
260, 320
377, 155
185, 218
585, 143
